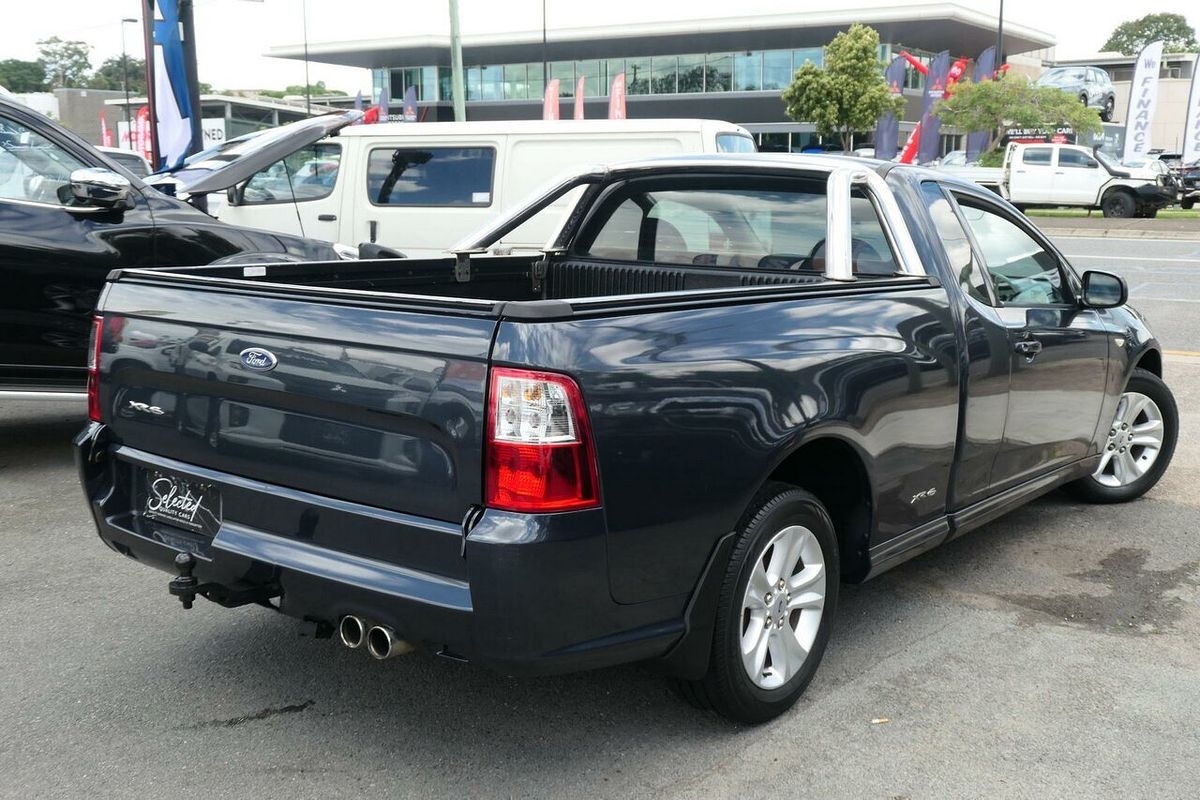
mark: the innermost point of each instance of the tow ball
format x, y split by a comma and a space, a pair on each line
186, 586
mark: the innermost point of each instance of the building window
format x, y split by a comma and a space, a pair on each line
718, 72
430, 176
773, 142
590, 71
614, 67
808, 55
565, 72
637, 76
777, 69
516, 83
379, 85
492, 79
747, 72
662, 71
537, 79
474, 82
445, 84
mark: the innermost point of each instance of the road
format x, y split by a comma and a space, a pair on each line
1053, 653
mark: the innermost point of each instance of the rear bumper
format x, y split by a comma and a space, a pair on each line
525, 594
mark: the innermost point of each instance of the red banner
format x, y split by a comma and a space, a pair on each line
550, 100
106, 138
616, 98
580, 86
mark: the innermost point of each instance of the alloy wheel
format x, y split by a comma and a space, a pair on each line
1134, 441
782, 607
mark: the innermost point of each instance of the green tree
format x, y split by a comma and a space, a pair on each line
1131, 36
848, 93
1014, 102
22, 76
66, 62
111, 75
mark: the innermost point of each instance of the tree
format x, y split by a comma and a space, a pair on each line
1131, 36
1014, 102
111, 75
22, 76
849, 93
66, 62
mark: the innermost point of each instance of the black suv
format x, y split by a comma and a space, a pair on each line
69, 215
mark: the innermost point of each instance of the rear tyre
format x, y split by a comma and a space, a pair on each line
1118, 204
1139, 444
1150, 213
775, 609
1106, 113
1187, 203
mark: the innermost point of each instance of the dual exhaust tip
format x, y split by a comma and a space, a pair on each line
381, 641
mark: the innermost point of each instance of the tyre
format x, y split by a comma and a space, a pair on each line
775, 609
1106, 113
1139, 445
1118, 204
1150, 213
1187, 203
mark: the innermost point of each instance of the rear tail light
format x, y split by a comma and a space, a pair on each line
93, 369
540, 456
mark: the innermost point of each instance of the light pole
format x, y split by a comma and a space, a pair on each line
307, 87
1000, 37
125, 68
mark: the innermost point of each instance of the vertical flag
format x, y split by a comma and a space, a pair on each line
175, 123
384, 111
550, 100
143, 142
887, 130
410, 104
1143, 96
1191, 133
580, 87
358, 101
931, 126
616, 98
985, 65
106, 137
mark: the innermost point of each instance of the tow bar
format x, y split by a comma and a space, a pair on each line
185, 586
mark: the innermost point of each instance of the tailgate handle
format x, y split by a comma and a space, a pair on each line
327, 217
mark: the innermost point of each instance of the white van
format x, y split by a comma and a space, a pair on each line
423, 186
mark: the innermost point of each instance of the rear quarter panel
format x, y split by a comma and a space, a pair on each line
693, 409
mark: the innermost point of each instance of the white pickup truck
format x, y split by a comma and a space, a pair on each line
1049, 175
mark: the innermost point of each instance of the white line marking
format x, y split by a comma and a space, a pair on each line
1136, 258
1138, 239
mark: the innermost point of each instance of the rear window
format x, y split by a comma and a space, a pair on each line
738, 226
310, 173
1037, 155
430, 176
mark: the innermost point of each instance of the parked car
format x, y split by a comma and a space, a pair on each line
1091, 84
131, 161
69, 215
422, 187
725, 386
1186, 175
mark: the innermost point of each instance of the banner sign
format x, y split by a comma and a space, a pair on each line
887, 130
550, 100
410, 104
616, 98
985, 65
580, 88
106, 137
213, 130
172, 103
1143, 96
1191, 133
931, 126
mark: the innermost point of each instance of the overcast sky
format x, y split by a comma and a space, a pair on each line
233, 34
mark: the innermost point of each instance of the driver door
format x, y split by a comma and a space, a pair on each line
1059, 351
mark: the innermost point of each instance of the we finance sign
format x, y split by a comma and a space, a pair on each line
1143, 96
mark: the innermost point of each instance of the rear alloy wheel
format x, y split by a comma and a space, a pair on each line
1139, 445
1106, 113
1118, 204
775, 610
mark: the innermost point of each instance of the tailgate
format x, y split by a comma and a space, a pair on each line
374, 405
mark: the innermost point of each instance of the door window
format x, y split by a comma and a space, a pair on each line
956, 243
1022, 271
1038, 156
307, 174
1074, 158
32, 167
431, 176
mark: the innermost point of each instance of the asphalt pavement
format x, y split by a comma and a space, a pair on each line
1053, 653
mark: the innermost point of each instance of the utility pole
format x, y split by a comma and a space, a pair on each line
125, 68
1000, 38
456, 66
307, 87
545, 61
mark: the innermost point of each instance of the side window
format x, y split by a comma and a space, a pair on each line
1074, 158
956, 242
735, 143
32, 167
1038, 156
1022, 271
430, 176
777, 228
307, 174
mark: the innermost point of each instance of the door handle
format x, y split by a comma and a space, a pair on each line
1028, 347
373, 228
327, 217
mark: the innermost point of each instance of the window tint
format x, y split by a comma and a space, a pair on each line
1022, 271
956, 242
307, 174
32, 167
734, 143
1074, 158
1037, 155
748, 228
430, 176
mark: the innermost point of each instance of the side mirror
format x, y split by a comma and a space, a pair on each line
96, 187
1103, 289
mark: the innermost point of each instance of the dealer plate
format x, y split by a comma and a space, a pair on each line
188, 504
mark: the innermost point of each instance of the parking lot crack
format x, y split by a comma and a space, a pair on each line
257, 715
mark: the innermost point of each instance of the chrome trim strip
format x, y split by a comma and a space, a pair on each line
20, 394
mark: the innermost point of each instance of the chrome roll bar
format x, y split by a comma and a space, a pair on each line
839, 233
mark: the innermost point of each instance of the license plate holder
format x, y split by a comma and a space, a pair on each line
180, 502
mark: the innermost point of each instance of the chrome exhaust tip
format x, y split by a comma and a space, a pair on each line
352, 631
382, 643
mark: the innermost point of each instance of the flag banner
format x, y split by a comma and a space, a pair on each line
550, 100
106, 137
141, 134
358, 101
1191, 133
580, 87
616, 98
1143, 97
410, 104
931, 126
171, 100
985, 65
384, 111
887, 130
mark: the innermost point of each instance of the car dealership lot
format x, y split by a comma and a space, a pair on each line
1052, 653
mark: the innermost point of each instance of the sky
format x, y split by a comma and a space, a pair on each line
232, 35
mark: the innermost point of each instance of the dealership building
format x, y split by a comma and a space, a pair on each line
730, 68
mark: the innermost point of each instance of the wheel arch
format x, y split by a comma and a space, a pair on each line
1151, 361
